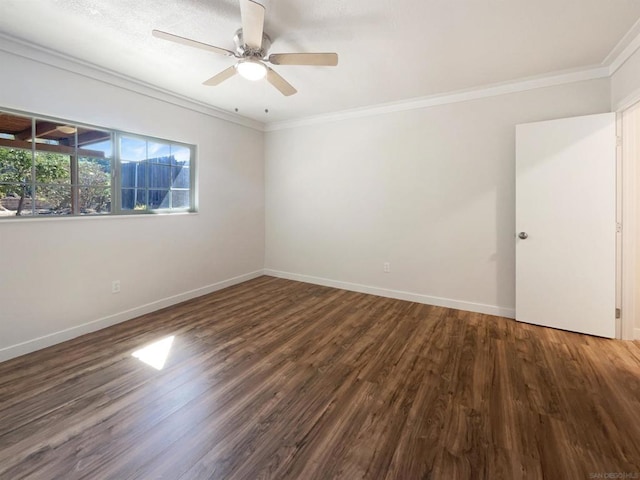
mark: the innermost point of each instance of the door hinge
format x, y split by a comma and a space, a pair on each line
619, 141
618, 227
618, 313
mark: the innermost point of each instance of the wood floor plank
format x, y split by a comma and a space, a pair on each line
276, 379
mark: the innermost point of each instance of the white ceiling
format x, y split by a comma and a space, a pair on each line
390, 50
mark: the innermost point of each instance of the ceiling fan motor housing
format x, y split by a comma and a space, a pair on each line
251, 47
244, 50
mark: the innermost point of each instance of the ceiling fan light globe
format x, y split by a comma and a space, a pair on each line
251, 69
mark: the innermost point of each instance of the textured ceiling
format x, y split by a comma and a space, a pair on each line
389, 50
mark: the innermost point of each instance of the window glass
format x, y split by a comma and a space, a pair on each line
159, 153
148, 181
95, 167
55, 167
159, 199
134, 174
181, 177
180, 199
132, 149
128, 199
95, 200
53, 200
180, 155
52, 168
159, 176
16, 165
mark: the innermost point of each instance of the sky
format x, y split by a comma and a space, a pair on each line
136, 149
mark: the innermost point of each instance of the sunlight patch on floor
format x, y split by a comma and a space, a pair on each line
156, 353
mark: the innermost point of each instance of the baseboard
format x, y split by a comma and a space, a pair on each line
636, 333
397, 294
29, 346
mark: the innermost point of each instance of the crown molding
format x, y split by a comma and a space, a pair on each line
67, 63
620, 53
626, 47
530, 83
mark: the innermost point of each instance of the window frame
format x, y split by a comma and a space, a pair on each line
115, 185
118, 174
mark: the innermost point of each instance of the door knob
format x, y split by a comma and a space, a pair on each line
523, 235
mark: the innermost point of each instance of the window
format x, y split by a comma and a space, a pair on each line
51, 167
155, 175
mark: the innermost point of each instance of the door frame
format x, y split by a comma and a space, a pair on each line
628, 156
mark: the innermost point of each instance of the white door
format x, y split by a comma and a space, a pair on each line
566, 224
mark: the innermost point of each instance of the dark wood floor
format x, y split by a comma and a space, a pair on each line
286, 380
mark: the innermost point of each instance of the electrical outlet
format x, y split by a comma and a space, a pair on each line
386, 267
115, 286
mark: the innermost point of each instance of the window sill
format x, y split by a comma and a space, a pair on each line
67, 218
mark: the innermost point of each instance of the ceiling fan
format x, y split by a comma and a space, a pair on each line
252, 45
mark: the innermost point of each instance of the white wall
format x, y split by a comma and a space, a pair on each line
429, 190
625, 83
55, 274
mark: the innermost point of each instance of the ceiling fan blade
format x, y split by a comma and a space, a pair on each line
221, 77
252, 23
280, 83
320, 59
191, 43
